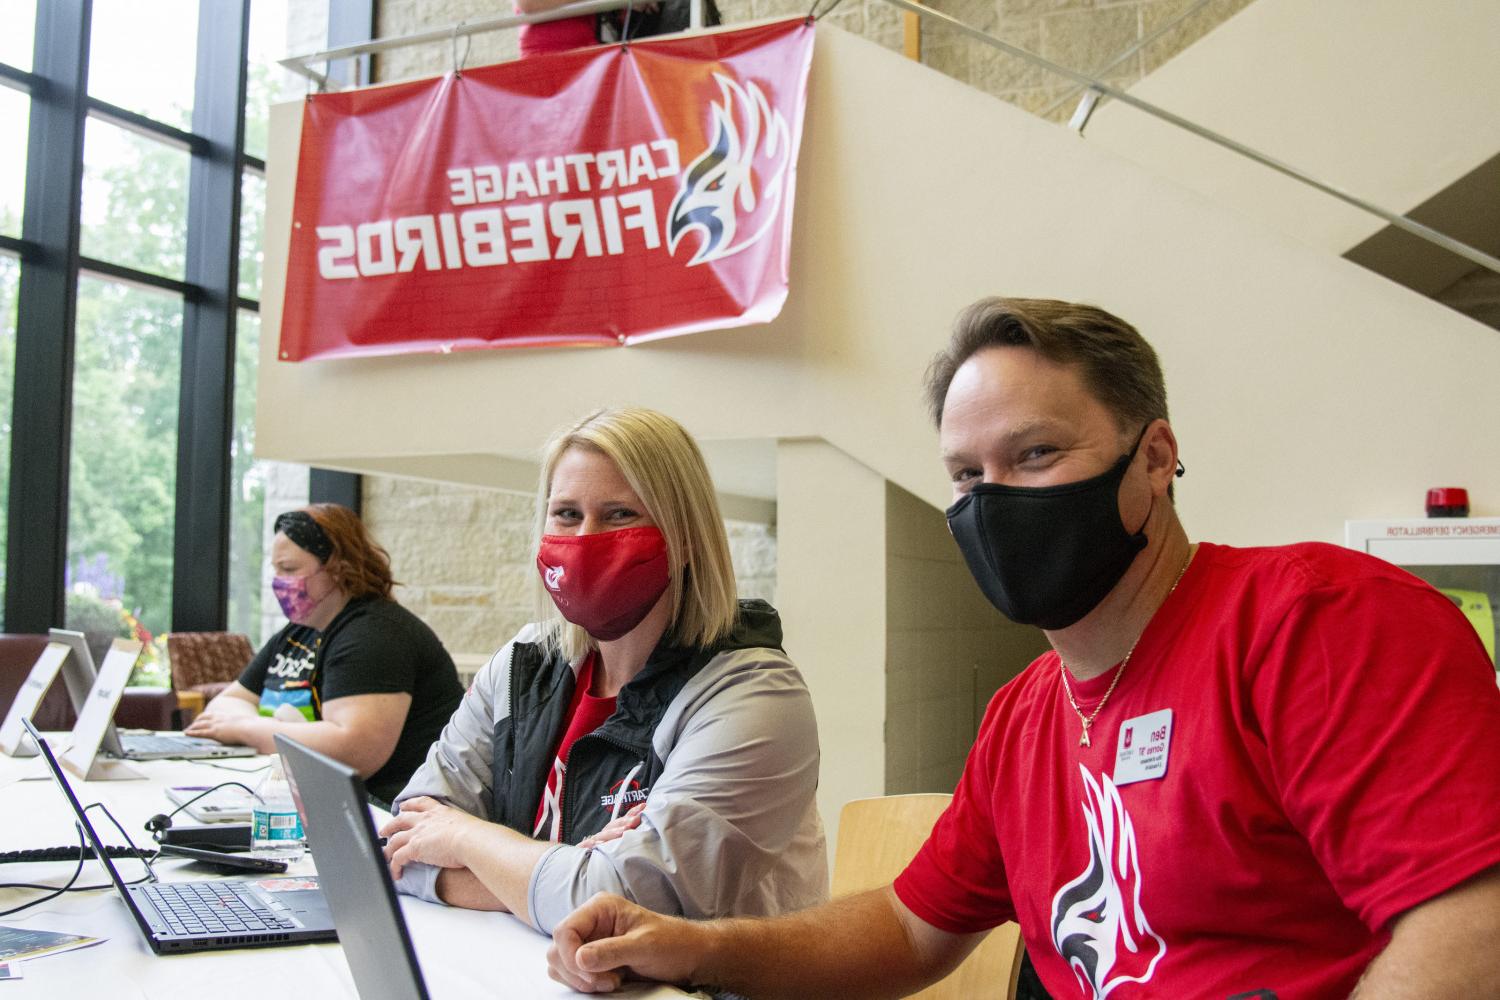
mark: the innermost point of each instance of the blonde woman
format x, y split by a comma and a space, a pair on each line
648, 737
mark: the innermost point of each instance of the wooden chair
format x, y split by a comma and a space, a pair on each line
877, 838
203, 664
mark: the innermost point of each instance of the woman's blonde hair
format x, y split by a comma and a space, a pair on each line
662, 463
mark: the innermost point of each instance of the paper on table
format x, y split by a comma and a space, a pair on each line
18, 943
8, 971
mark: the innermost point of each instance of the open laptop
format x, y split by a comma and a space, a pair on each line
213, 914
130, 746
352, 869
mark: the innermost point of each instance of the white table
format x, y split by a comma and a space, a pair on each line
463, 953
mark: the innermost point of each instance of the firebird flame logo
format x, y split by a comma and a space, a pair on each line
718, 196
1097, 923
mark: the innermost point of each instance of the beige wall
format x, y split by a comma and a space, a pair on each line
947, 649
1305, 390
1388, 99
831, 562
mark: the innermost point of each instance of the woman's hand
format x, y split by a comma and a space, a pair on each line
615, 828
429, 832
222, 726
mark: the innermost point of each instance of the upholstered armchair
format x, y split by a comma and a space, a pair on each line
203, 664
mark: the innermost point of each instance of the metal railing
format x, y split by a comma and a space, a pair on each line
302, 65
1094, 89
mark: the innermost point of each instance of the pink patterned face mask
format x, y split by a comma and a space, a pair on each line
291, 593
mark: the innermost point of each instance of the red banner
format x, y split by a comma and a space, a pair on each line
601, 196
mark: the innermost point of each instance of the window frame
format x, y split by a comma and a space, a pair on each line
51, 263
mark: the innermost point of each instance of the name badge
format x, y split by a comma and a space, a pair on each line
1141, 752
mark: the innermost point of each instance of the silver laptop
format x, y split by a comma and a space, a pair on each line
332, 800
134, 746
212, 914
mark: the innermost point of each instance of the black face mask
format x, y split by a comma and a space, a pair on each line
1047, 555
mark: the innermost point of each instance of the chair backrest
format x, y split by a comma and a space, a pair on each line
877, 838
18, 653
207, 657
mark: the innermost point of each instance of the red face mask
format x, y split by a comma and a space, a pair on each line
605, 583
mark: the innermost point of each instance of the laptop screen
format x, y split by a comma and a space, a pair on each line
353, 874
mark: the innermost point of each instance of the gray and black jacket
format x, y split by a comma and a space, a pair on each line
721, 744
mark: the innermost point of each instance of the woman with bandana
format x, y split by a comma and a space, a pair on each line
353, 674
649, 738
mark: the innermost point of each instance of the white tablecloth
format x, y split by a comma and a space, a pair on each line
463, 953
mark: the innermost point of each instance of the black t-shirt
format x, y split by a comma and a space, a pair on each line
373, 646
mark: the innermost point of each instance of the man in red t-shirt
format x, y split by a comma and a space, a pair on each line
1240, 773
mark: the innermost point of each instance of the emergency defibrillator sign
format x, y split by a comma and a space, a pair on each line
601, 196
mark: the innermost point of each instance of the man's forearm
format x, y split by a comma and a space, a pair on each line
856, 946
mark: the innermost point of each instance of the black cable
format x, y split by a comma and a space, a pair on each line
157, 831
77, 871
139, 856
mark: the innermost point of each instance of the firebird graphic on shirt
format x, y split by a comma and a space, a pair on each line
1098, 926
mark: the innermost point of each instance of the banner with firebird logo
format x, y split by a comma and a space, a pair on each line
601, 196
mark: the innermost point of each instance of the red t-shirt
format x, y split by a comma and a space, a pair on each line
556, 36
1332, 758
586, 713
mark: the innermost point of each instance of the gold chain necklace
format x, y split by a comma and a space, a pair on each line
1088, 720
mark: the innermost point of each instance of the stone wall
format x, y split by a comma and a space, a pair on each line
1083, 35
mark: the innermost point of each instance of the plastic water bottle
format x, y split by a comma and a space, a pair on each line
275, 827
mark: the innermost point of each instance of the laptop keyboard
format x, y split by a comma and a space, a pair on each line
210, 908
159, 744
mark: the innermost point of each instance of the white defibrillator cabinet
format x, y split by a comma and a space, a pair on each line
1460, 556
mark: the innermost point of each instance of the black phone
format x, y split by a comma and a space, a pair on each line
220, 860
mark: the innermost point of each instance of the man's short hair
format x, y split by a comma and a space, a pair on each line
1118, 367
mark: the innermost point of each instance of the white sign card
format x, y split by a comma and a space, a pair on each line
98, 712
1143, 746
13, 738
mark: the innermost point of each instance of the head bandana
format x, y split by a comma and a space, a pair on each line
305, 533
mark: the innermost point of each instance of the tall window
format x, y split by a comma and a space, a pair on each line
120, 366
128, 336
